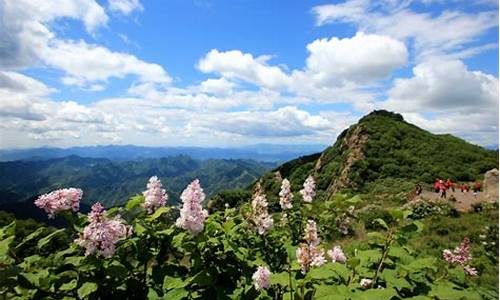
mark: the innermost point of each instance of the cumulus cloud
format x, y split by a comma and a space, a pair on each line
360, 59
125, 7
24, 26
286, 121
84, 63
480, 128
27, 40
448, 85
244, 66
429, 33
217, 86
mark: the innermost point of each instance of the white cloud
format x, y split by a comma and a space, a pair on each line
443, 96
239, 65
217, 86
27, 40
444, 85
24, 26
125, 6
480, 128
360, 59
286, 121
84, 63
430, 34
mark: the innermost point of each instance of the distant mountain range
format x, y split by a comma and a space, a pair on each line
113, 182
258, 152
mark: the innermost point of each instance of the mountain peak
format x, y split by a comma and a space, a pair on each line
384, 152
382, 113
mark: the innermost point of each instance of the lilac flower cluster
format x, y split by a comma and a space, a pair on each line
309, 254
344, 221
308, 192
261, 219
286, 195
337, 255
60, 200
261, 278
192, 215
461, 255
155, 196
101, 234
366, 283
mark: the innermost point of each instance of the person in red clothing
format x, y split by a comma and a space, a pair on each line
448, 184
442, 189
477, 187
462, 187
466, 187
436, 186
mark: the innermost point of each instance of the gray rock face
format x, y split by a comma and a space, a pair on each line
491, 184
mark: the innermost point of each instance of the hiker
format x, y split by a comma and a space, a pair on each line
436, 186
466, 187
418, 189
477, 187
462, 187
442, 189
449, 184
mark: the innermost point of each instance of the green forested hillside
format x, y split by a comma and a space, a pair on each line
114, 182
384, 150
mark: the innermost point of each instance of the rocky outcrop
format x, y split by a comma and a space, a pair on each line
352, 149
491, 185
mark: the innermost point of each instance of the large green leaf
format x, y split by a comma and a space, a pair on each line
8, 230
174, 283
134, 202
87, 289
449, 291
332, 292
324, 272
34, 235
176, 294
68, 286
282, 278
379, 294
46, 240
158, 213
5, 258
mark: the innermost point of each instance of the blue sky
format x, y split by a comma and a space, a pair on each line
228, 73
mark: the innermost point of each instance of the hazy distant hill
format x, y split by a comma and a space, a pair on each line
259, 152
113, 182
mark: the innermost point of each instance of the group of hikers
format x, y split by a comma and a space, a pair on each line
441, 186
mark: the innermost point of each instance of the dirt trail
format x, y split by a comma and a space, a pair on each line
464, 201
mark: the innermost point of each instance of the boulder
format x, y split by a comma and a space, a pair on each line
491, 185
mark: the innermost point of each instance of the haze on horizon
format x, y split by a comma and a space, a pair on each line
231, 73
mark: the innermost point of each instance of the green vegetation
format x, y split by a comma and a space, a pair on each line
402, 258
113, 182
363, 184
383, 152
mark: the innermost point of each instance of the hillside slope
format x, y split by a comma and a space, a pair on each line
381, 147
113, 183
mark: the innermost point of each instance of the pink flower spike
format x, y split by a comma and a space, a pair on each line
261, 219
470, 271
337, 255
308, 192
286, 195
155, 196
60, 200
261, 278
192, 215
101, 234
